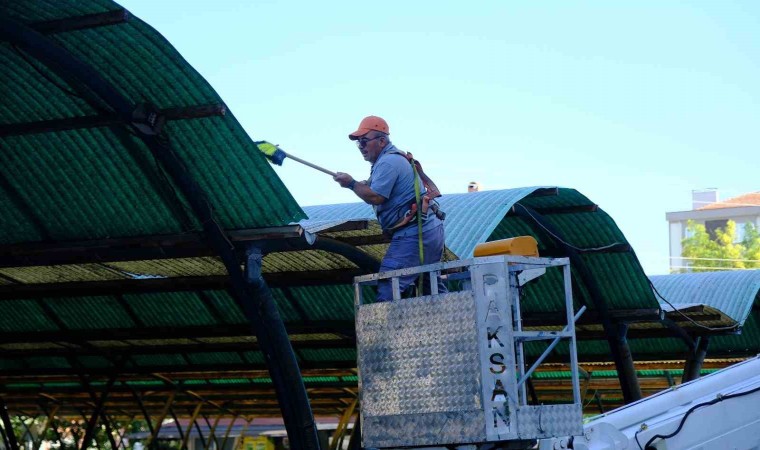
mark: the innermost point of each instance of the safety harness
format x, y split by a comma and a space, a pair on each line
418, 209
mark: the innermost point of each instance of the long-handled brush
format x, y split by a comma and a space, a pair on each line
277, 155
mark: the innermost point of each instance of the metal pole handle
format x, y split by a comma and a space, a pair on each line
307, 163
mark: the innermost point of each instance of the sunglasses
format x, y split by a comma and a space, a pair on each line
362, 142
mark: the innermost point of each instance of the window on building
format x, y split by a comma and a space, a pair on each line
741, 230
712, 225
687, 231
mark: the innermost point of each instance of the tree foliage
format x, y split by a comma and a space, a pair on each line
67, 434
705, 253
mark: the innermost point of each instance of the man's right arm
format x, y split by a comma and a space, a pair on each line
361, 189
366, 193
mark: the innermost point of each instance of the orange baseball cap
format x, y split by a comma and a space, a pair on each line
370, 123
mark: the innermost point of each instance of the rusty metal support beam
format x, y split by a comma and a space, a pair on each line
123, 431
49, 416
193, 418
227, 432
567, 209
342, 428
93, 421
212, 430
544, 192
115, 17
204, 443
28, 431
131, 248
242, 434
338, 364
104, 120
177, 423
173, 284
160, 420
144, 411
109, 430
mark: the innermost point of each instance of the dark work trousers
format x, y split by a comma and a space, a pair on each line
404, 252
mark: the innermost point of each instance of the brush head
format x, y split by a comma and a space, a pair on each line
271, 151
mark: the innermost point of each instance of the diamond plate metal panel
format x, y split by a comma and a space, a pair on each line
423, 429
549, 420
408, 366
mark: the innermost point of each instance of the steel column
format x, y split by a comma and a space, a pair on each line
599, 403
693, 365
10, 436
627, 371
5, 438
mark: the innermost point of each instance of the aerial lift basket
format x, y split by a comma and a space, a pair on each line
449, 369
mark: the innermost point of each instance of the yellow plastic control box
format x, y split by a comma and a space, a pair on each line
518, 246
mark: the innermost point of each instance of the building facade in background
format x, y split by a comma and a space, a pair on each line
709, 210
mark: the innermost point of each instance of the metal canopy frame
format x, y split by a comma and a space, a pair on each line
148, 400
251, 294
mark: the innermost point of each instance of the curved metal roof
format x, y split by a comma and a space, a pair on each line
734, 292
714, 300
71, 168
484, 216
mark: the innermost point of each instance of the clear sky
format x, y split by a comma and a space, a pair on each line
634, 103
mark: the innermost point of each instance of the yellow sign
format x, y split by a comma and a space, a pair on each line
257, 443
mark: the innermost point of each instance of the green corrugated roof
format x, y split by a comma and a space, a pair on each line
67, 184
102, 182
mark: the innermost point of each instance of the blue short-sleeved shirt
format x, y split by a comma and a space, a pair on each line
392, 177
